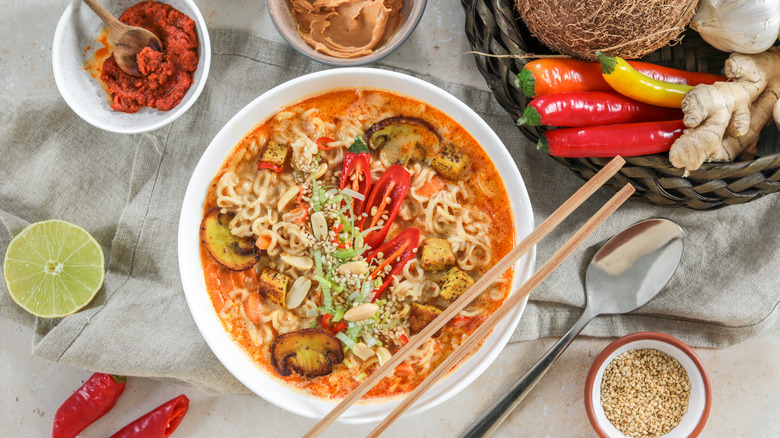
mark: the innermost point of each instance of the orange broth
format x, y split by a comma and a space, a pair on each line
220, 281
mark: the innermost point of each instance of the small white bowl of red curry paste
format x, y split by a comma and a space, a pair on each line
104, 96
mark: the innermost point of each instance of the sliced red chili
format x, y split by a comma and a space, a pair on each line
396, 254
300, 219
333, 328
326, 320
91, 401
161, 422
384, 202
404, 339
459, 320
321, 143
269, 166
356, 173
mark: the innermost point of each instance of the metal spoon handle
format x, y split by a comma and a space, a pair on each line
488, 422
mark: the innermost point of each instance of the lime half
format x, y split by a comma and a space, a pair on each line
53, 268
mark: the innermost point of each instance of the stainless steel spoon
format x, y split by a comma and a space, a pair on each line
628, 271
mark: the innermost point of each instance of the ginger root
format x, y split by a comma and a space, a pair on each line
724, 119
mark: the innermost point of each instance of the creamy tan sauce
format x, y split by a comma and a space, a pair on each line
347, 28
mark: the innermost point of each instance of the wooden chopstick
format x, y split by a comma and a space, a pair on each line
480, 285
485, 328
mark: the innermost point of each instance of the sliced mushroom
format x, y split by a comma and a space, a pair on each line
233, 252
402, 139
361, 312
298, 292
308, 352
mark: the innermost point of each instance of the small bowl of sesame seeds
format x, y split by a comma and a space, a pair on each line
645, 385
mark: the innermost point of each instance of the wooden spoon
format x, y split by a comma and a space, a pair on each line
128, 40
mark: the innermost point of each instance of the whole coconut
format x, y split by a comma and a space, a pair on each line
626, 28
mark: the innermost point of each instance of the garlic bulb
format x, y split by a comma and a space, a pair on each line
745, 26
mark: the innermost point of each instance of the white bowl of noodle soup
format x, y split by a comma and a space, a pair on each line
232, 355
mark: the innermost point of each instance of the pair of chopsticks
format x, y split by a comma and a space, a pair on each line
480, 285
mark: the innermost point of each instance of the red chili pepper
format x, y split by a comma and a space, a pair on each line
458, 320
356, 173
91, 401
160, 422
321, 143
628, 140
393, 184
333, 328
592, 108
552, 75
269, 166
299, 220
396, 254
404, 339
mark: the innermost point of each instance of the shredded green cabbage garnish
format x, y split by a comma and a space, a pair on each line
346, 340
370, 340
318, 262
316, 201
344, 254
339, 314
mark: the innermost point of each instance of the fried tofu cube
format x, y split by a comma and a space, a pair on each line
454, 283
437, 255
420, 315
274, 154
451, 162
273, 285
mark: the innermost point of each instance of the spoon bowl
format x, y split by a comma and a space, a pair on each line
128, 41
641, 259
625, 273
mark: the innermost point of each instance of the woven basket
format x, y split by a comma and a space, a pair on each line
492, 27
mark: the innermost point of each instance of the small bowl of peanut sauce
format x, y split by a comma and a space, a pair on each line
346, 33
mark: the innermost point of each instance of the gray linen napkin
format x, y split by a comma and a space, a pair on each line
127, 191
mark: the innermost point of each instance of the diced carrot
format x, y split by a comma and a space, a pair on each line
263, 242
434, 185
252, 308
404, 368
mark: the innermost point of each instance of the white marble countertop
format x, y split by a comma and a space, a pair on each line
745, 377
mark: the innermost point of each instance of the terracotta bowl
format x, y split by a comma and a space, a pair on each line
691, 423
282, 18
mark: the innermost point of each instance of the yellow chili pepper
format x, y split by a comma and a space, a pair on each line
629, 82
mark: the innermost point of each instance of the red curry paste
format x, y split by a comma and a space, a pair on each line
167, 75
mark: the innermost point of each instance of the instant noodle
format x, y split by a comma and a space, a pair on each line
340, 227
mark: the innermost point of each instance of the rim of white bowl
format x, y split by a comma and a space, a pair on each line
229, 353
66, 93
